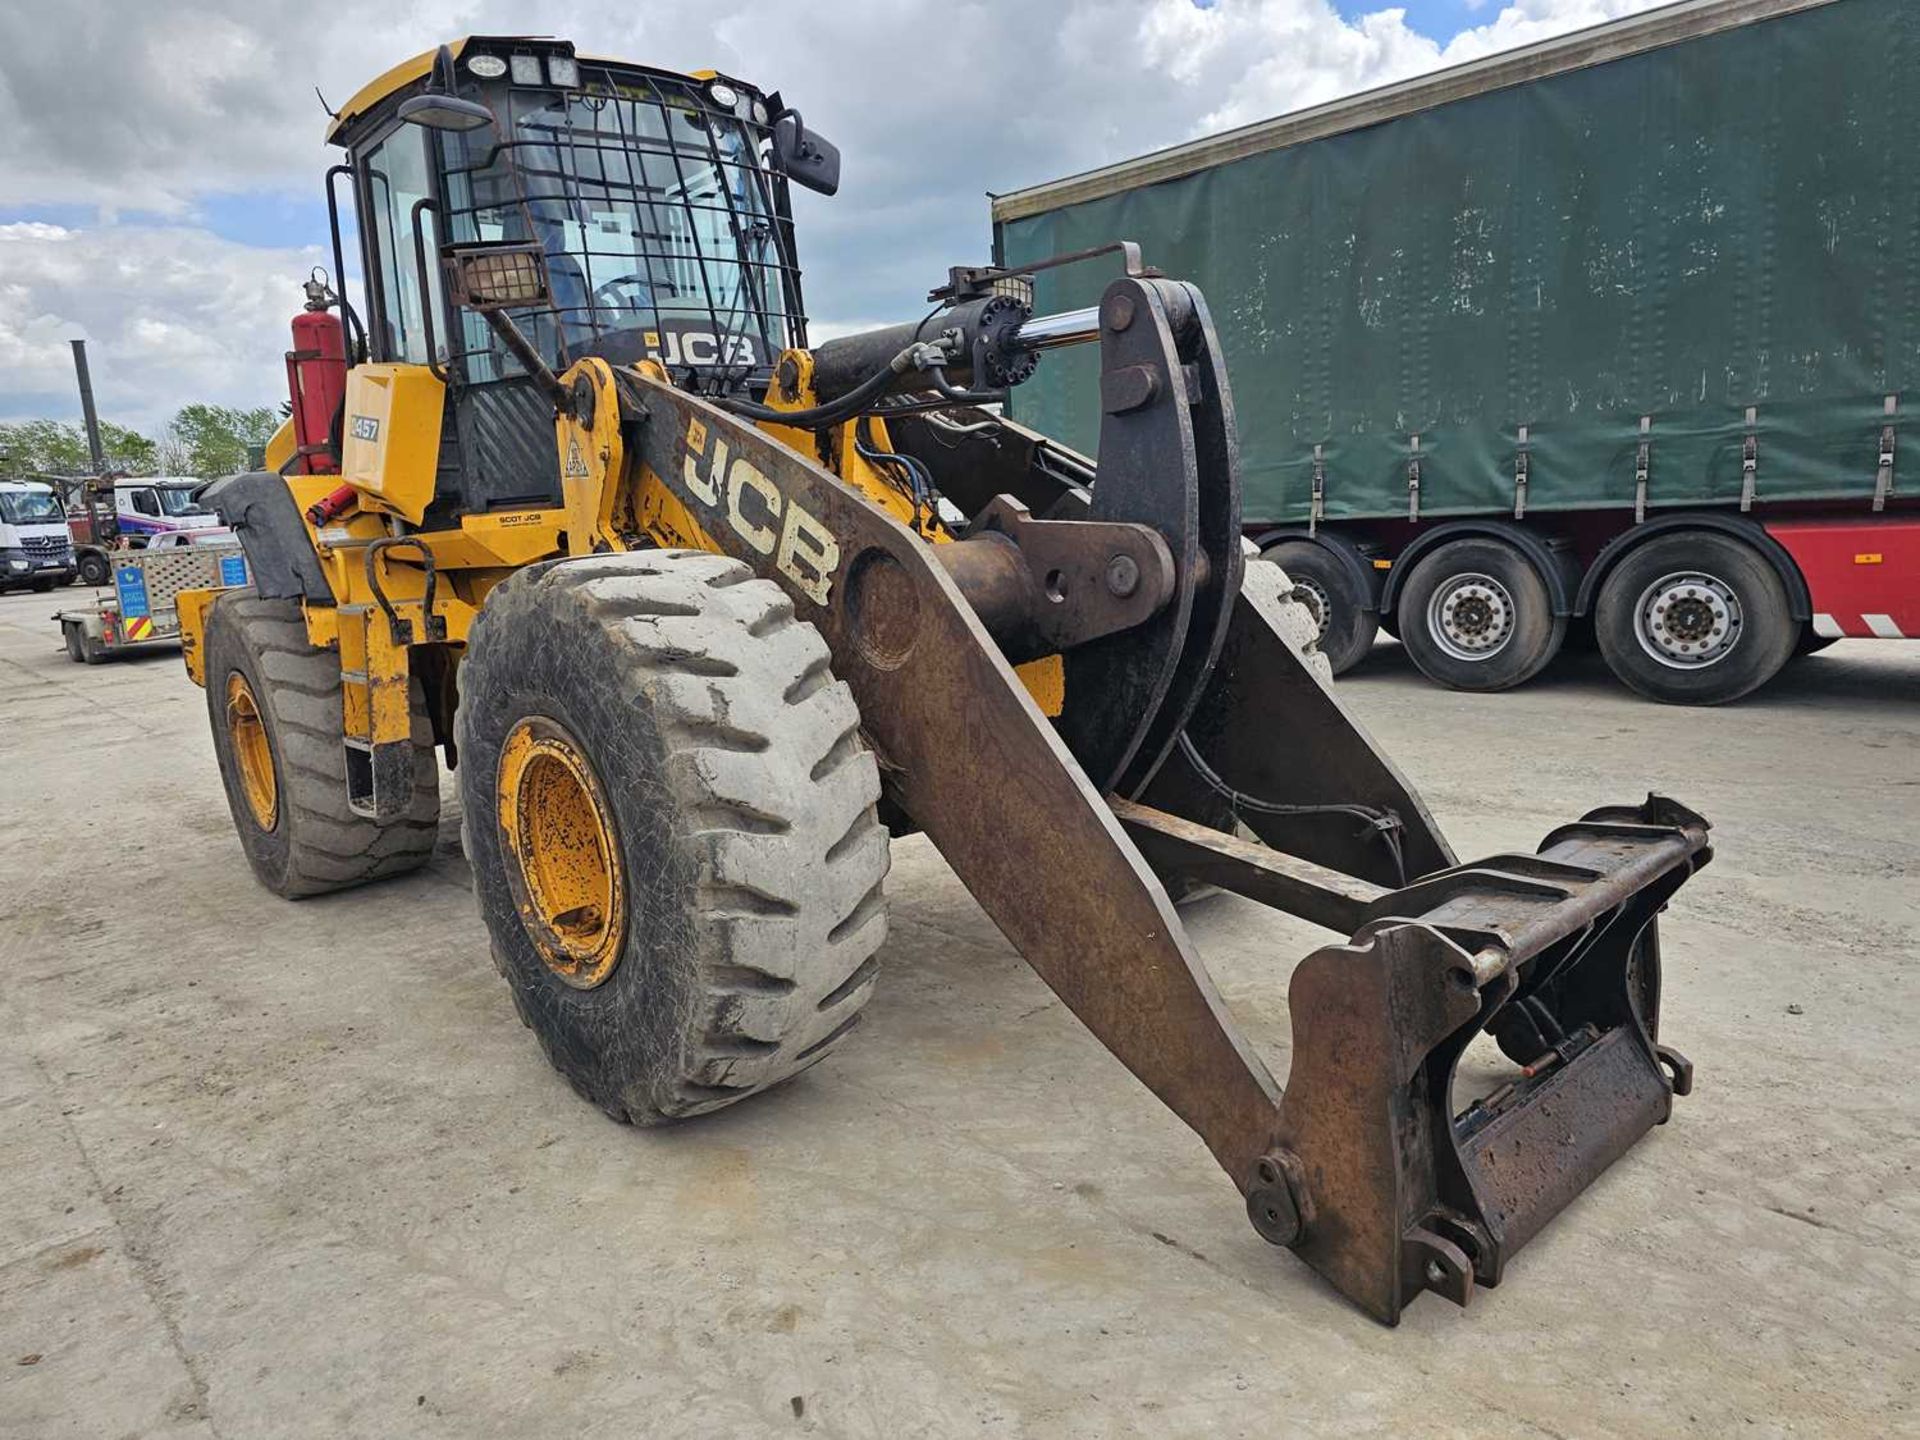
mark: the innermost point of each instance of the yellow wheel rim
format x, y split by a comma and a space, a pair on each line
252, 752
563, 862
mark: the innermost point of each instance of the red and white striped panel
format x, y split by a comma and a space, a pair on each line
1862, 627
1863, 575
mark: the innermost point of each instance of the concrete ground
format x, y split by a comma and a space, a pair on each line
294, 1170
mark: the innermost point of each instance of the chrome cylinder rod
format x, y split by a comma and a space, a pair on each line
1050, 332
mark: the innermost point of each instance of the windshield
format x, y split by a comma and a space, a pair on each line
177, 500
30, 507
656, 221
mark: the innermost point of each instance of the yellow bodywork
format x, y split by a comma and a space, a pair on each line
374, 559
390, 448
419, 67
282, 446
381, 86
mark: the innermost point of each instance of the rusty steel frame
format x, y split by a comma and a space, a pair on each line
1194, 720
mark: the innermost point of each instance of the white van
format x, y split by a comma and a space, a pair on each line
35, 548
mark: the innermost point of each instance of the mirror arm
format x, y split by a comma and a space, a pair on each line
530, 359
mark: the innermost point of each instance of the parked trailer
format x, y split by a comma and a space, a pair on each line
1613, 331
140, 610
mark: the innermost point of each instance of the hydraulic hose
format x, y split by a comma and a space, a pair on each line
841, 408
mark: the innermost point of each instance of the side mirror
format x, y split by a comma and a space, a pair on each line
444, 112
803, 157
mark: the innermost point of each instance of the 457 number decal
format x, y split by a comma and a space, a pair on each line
733, 488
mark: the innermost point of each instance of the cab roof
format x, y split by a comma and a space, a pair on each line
368, 96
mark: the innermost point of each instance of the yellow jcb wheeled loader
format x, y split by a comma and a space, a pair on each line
700, 613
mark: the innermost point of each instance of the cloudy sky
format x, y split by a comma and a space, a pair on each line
160, 163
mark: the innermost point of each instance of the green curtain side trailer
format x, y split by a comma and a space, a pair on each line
1615, 330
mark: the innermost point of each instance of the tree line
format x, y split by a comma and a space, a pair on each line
201, 440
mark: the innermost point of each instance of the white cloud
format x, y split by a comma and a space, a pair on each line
135, 107
169, 314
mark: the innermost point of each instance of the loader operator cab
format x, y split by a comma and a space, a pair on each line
658, 203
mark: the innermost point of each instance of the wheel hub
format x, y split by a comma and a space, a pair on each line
252, 752
1314, 596
1688, 620
564, 862
1471, 616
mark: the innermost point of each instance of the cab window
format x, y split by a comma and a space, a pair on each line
146, 502
397, 177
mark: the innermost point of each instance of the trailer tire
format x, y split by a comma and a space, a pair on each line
1695, 617
716, 930
274, 704
94, 569
80, 649
1342, 617
1476, 615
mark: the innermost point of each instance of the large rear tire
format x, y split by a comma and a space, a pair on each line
273, 701
670, 818
94, 569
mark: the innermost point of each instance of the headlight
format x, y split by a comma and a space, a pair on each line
563, 72
487, 67
526, 69
760, 116
723, 94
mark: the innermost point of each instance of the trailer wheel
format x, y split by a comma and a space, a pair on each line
79, 646
670, 818
1694, 617
275, 707
1476, 615
1346, 623
94, 569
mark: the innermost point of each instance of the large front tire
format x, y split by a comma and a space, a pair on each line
274, 704
670, 818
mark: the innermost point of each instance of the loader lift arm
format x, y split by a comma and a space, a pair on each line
1360, 1165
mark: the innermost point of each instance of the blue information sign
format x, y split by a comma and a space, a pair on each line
131, 582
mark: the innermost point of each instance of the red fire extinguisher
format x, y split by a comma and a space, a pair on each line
317, 380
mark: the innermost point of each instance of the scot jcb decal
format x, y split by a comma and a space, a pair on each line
759, 512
